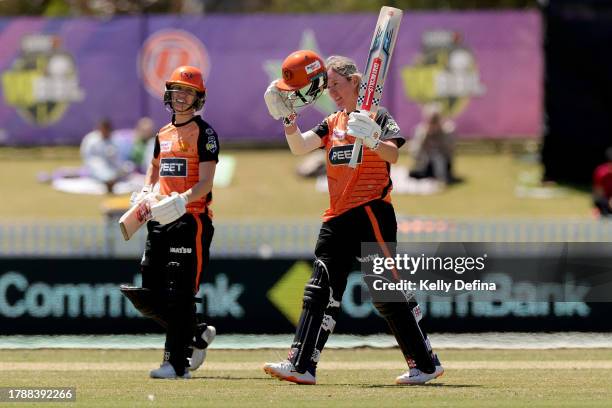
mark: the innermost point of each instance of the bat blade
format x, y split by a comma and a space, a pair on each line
134, 218
377, 66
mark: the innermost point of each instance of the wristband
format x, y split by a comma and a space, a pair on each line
290, 120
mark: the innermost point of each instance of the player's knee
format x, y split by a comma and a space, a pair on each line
315, 296
149, 303
316, 291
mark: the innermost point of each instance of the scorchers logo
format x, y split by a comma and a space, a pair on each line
43, 80
165, 50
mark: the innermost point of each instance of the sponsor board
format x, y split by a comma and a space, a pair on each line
81, 296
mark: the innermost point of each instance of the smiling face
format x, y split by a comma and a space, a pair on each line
343, 90
183, 97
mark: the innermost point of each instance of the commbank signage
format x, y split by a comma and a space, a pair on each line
79, 296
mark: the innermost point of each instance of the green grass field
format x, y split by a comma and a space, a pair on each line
356, 378
265, 186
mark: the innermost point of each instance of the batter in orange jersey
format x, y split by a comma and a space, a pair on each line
350, 188
360, 210
177, 248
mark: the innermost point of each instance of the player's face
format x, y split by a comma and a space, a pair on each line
182, 97
342, 89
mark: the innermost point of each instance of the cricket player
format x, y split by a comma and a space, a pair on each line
180, 233
360, 211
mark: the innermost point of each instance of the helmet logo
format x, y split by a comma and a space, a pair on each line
287, 74
187, 75
312, 67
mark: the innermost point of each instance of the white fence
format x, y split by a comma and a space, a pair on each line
272, 238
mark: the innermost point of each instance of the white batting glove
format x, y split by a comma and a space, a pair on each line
362, 126
169, 209
139, 196
277, 102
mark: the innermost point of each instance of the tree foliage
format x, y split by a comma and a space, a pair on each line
69, 8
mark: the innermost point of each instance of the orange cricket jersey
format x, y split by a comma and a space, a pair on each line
179, 149
350, 188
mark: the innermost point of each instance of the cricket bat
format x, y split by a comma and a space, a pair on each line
134, 218
377, 66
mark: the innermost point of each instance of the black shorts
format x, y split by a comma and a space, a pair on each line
339, 242
185, 241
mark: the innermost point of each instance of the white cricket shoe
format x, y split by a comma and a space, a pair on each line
286, 371
200, 347
166, 371
414, 376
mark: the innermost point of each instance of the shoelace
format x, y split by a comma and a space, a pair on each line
414, 372
286, 365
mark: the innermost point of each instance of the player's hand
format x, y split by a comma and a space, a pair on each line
363, 127
139, 196
169, 209
278, 103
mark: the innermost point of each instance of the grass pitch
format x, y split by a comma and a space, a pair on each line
356, 378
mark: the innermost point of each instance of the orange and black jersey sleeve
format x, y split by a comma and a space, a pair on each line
208, 140
208, 143
390, 129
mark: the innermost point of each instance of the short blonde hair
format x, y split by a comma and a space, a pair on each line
342, 65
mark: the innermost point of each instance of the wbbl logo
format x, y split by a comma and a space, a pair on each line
173, 167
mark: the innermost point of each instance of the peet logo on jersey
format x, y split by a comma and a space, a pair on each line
180, 250
342, 155
173, 167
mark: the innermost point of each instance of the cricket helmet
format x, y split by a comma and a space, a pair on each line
190, 77
302, 69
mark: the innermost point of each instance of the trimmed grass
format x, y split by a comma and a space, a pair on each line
355, 378
265, 186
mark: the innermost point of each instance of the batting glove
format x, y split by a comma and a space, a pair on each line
169, 209
139, 196
278, 103
363, 127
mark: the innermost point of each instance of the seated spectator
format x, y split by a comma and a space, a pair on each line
602, 186
433, 147
100, 155
144, 143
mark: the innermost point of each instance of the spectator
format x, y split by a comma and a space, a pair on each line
144, 142
602, 186
101, 156
433, 147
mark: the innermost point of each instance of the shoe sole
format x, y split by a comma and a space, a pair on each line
398, 382
275, 374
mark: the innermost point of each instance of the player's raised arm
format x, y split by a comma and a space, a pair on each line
304, 80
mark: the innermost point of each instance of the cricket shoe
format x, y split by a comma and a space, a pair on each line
204, 336
414, 376
166, 371
286, 371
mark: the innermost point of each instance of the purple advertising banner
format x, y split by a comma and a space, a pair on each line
60, 76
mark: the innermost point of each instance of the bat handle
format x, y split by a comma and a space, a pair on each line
355, 154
